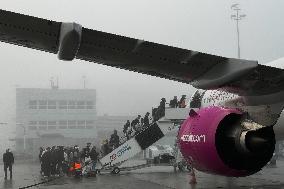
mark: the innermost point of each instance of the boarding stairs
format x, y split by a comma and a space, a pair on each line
145, 138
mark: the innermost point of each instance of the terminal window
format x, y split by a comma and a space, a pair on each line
32, 127
32, 104
61, 124
51, 104
71, 124
62, 104
90, 105
42, 127
81, 105
81, 124
42, 104
71, 104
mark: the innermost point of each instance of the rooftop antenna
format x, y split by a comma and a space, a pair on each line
53, 86
51, 83
57, 83
237, 16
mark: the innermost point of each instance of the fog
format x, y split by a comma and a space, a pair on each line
198, 25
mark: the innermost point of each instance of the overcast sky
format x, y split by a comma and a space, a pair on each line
201, 25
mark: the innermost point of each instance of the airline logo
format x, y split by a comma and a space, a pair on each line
193, 138
123, 150
120, 152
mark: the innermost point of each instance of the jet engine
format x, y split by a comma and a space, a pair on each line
225, 142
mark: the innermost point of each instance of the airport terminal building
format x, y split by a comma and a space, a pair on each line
52, 117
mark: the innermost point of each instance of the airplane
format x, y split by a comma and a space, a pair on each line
236, 113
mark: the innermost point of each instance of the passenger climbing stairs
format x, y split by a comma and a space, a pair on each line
145, 138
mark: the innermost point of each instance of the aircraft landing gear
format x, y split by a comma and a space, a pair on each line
116, 170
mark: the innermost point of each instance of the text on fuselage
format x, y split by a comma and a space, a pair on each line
193, 138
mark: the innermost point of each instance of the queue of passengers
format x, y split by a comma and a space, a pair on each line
136, 126
130, 129
139, 123
159, 112
111, 144
60, 160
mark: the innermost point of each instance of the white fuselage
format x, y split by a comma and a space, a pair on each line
265, 114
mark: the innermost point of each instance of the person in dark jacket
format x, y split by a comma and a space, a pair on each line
41, 150
53, 160
40, 153
114, 140
146, 120
174, 102
46, 162
8, 160
126, 129
59, 159
135, 123
86, 151
105, 149
182, 102
161, 108
94, 157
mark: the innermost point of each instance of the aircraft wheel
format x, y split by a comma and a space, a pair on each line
116, 170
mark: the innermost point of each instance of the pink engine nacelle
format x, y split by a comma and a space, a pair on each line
211, 140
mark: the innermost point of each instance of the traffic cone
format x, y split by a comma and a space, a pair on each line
192, 177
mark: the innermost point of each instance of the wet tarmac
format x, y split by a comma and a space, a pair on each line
158, 177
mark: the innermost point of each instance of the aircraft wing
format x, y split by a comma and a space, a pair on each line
70, 40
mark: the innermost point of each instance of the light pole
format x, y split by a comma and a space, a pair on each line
237, 17
22, 125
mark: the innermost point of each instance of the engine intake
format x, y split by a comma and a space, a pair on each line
222, 141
